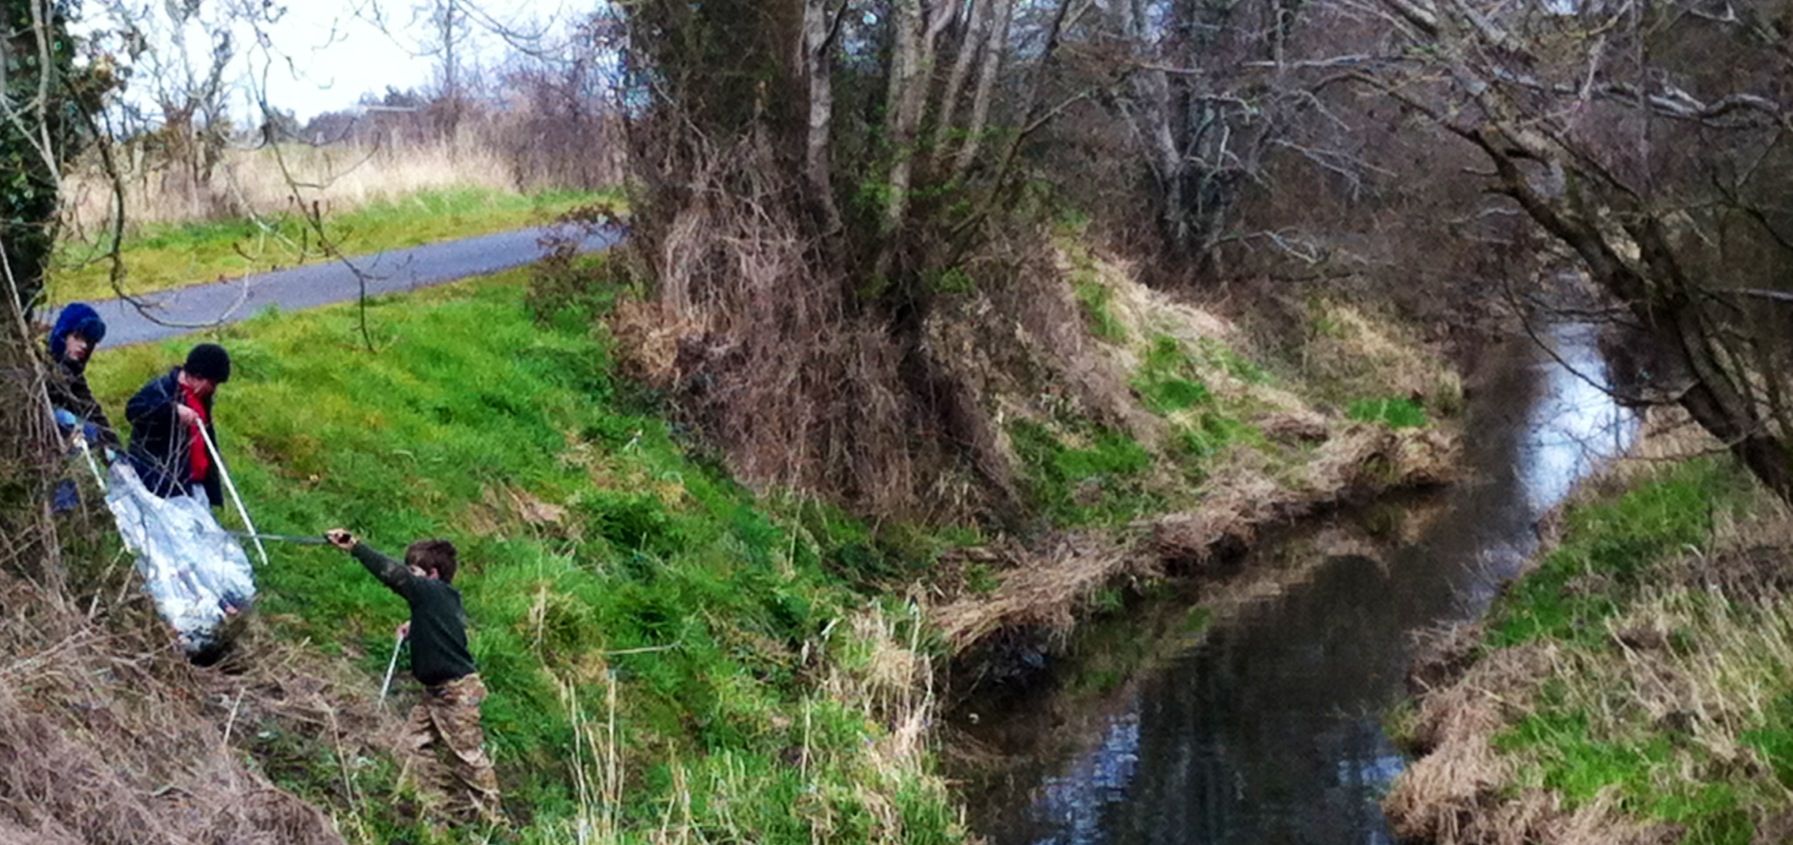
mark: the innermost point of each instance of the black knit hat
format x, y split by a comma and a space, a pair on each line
208, 361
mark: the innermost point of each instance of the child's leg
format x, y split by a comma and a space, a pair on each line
417, 747
456, 712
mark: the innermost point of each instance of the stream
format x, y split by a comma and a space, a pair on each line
1257, 716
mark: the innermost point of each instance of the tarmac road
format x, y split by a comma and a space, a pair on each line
175, 312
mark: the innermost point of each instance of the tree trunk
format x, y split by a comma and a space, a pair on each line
1663, 304
917, 31
1001, 12
818, 65
977, 20
1151, 88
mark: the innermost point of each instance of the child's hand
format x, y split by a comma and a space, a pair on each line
404, 629
342, 539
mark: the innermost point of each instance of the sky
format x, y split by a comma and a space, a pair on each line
327, 53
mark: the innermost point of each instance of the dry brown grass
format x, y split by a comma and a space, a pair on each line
108, 736
762, 352
1044, 590
251, 182
1361, 355
1462, 790
1697, 653
1018, 341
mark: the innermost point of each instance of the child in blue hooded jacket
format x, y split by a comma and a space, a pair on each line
77, 332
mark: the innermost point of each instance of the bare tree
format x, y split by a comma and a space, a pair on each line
844, 157
1664, 172
448, 20
182, 56
1202, 99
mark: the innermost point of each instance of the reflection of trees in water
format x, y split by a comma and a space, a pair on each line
1269, 732
1576, 422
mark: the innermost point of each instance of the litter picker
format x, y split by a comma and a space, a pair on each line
301, 540
92, 465
232, 487
391, 665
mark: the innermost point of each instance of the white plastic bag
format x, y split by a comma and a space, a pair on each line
197, 575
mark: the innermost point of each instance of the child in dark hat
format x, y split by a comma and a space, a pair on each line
167, 417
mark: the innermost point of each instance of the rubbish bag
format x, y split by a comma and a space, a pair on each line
197, 575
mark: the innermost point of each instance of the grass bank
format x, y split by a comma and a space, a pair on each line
164, 256
1174, 438
1632, 687
667, 654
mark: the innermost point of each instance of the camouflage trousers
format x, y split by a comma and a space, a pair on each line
444, 750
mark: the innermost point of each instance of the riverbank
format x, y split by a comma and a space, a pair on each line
670, 653
1211, 436
667, 653
1249, 707
1632, 686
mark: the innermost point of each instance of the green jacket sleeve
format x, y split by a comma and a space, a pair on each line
393, 574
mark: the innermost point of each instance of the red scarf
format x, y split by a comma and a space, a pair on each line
199, 460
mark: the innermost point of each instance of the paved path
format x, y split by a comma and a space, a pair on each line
177, 312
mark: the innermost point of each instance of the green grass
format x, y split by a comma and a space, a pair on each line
1168, 380
1611, 542
1078, 473
1394, 412
1583, 735
1220, 355
1093, 298
469, 408
1169, 383
1099, 481
160, 257
1209, 435
1580, 766
1774, 738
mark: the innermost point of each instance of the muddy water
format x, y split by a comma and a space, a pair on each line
1264, 725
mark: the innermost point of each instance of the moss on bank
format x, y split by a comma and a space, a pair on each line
1633, 687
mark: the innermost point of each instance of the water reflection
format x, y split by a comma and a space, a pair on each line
1574, 423
1268, 731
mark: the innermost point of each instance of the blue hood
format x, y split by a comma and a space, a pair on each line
78, 318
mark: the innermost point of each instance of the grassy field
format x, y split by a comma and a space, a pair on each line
1642, 671
755, 692
163, 256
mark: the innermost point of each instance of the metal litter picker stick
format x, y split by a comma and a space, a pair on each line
297, 540
390, 666
232, 487
92, 465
